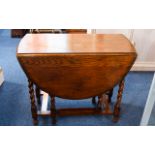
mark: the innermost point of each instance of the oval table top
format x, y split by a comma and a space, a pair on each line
76, 66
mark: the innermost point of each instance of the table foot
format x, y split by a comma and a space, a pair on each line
116, 115
35, 122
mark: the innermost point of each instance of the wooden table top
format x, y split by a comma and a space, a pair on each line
76, 66
75, 43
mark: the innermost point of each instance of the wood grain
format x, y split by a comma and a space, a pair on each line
75, 43
77, 66
69, 74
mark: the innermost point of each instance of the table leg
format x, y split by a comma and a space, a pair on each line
38, 95
104, 103
100, 102
116, 113
53, 110
33, 105
110, 95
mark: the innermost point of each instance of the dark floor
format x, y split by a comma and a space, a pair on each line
14, 99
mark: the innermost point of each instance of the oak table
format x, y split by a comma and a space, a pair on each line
76, 66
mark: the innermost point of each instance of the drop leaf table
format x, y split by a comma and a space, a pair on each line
75, 66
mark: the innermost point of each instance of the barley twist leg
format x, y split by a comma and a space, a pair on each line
100, 102
106, 104
116, 113
33, 105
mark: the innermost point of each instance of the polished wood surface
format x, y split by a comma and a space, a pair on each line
76, 66
68, 66
75, 44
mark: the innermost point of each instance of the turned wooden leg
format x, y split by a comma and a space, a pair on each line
53, 110
100, 102
38, 95
104, 104
110, 95
116, 113
33, 105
